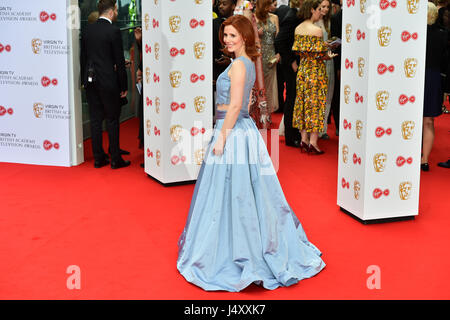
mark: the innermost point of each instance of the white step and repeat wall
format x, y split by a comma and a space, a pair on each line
177, 77
383, 68
35, 103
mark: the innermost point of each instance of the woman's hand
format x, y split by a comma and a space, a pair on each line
330, 55
219, 145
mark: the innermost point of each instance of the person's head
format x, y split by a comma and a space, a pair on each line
325, 9
93, 16
226, 7
295, 3
237, 34
432, 13
441, 3
263, 7
310, 9
108, 9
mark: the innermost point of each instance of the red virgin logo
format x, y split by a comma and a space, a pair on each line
4, 111
48, 145
44, 16
46, 81
195, 23
6, 48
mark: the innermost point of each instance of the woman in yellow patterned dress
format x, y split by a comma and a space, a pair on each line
312, 80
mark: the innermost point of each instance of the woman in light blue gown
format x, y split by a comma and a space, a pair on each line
240, 229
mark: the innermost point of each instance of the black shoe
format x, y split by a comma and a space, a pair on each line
101, 163
120, 164
444, 164
295, 144
425, 167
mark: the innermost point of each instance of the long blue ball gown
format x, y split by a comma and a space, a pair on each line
240, 229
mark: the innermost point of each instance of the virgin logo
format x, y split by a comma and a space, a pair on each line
48, 145
7, 48
45, 81
44, 16
4, 111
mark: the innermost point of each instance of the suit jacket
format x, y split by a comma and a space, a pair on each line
336, 31
282, 11
285, 38
101, 46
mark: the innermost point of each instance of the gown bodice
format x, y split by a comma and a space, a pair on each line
223, 84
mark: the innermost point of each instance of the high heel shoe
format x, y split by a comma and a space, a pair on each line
312, 150
304, 147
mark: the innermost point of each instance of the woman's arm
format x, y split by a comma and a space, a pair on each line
237, 84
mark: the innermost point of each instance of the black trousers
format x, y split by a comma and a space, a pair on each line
290, 77
335, 103
104, 105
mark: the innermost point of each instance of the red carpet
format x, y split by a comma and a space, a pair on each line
121, 228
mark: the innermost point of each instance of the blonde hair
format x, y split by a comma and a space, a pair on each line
432, 13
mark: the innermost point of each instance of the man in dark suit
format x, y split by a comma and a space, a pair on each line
104, 76
289, 65
281, 12
336, 31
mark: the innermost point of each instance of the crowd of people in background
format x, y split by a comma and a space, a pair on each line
298, 72
296, 49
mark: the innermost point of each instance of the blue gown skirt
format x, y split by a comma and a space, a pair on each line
240, 229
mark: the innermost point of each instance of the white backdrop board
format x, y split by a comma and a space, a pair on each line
34, 82
177, 78
380, 132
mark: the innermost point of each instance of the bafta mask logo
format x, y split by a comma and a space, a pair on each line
348, 32
199, 104
361, 64
176, 132
362, 6
175, 79
410, 67
384, 36
199, 50
379, 162
157, 104
408, 129
147, 75
345, 153
382, 99
356, 189
198, 1
405, 190
199, 155
148, 125
412, 6
38, 109
147, 21
36, 45
347, 91
174, 23
156, 2
359, 128
158, 157
157, 51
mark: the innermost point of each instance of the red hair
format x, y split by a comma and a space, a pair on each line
245, 28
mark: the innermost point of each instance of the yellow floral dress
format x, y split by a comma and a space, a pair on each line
312, 80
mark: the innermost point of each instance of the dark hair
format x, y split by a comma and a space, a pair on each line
245, 29
261, 9
305, 9
105, 5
